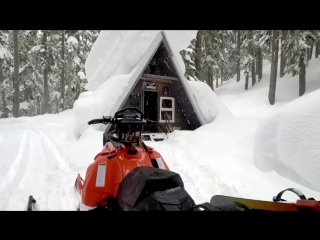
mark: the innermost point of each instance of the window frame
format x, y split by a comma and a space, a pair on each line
167, 109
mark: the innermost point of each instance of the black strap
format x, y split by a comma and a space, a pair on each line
294, 190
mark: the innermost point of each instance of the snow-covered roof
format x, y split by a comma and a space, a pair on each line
118, 52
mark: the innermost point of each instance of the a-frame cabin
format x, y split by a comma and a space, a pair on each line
161, 96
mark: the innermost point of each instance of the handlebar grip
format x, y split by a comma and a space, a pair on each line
95, 121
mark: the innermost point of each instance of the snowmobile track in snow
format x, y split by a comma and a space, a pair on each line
11, 176
32, 164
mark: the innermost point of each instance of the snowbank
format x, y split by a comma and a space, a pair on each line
100, 102
210, 105
218, 159
36, 121
288, 141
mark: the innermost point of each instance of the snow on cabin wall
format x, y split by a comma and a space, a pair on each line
211, 107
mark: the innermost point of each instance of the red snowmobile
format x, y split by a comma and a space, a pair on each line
128, 175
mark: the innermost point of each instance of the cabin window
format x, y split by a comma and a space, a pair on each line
167, 109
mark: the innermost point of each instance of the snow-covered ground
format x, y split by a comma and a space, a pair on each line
40, 156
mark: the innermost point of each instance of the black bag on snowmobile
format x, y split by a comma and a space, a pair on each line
154, 189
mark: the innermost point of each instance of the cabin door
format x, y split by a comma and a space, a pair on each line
151, 109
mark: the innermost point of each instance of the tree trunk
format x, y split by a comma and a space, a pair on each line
198, 55
62, 79
292, 61
317, 50
210, 80
221, 71
302, 74
16, 96
217, 81
246, 84
311, 50
78, 87
252, 53
45, 76
27, 93
274, 67
283, 60
4, 113
38, 106
238, 60
259, 64
253, 74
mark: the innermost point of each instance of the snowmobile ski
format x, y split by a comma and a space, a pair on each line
228, 203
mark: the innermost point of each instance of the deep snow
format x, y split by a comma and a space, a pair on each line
288, 141
41, 156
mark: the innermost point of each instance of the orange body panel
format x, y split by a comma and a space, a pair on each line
308, 204
114, 164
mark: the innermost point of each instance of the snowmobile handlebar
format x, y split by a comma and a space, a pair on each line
108, 119
119, 115
103, 120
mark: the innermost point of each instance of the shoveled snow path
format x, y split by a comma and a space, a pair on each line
36, 167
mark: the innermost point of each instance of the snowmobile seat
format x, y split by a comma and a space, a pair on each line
153, 189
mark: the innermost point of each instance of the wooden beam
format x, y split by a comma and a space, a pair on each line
151, 76
156, 80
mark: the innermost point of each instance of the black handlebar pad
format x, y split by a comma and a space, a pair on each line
95, 121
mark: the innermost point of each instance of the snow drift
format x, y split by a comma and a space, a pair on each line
98, 103
210, 105
288, 141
